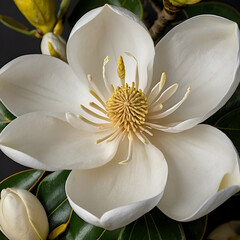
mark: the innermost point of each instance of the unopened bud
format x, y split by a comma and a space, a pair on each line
22, 216
54, 45
41, 14
180, 3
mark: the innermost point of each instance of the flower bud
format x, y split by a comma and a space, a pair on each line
54, 45
180, 3
22, 216
41, 14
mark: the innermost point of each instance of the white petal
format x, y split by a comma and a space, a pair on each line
40, 83
114, 195
43, 141
110, 31
202, 53
203, 171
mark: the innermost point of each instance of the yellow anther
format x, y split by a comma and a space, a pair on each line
121, 70
127, 108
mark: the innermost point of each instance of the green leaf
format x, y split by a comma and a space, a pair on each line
63, 8
51, 190
84, 6
2, 236
51, 193
212, 7
5, 117
233, 103
153, 225
230, 125
26, 179
13, 24
195, 230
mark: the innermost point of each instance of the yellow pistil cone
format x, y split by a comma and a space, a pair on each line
41, 14
121, 70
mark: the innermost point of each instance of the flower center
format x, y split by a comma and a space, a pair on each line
128, 112
127, 107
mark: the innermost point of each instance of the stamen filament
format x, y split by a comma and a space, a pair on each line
166, 95
114, 136
141, 138
98, 98
157, 89
130, 150
94, 105
94, 86
89, 122
105, 138
170, 110
107, 84
94, 114
155, 126
136, 70
155, 108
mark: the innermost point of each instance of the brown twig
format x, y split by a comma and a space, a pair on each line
163, 17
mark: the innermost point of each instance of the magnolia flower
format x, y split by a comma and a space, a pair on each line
22, 216
125, 116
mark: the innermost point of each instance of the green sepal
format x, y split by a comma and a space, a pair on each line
63, 8
13, 24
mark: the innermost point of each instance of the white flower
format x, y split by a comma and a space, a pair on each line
22, 216
191, 168
54, 45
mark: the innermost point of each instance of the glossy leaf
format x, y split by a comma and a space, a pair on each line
84, 6
26, 179
51, 193
5, 117
195, 230
2, 236
230, 125
153, 225
216, 8
51, 190
233, 103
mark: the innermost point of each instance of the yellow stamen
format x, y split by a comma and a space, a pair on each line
127, 108
98, 98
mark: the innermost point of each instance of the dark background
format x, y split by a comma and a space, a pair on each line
12, 45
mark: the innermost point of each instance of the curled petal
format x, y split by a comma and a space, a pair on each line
110, 28
201, 53
115, 195
44, 141
203, 171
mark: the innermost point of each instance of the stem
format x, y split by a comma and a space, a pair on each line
163, 17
